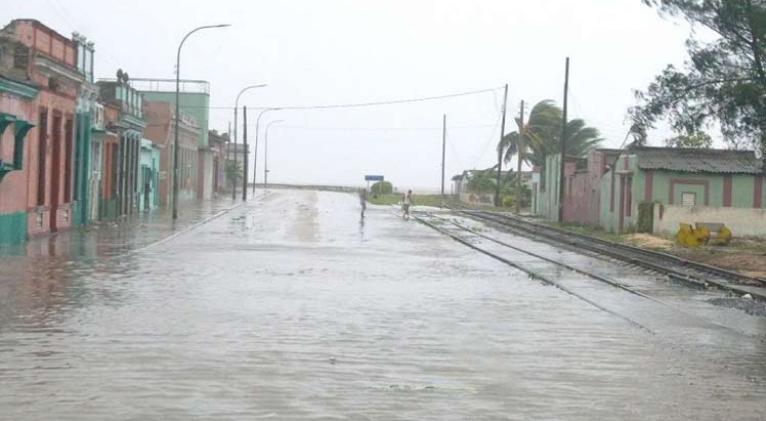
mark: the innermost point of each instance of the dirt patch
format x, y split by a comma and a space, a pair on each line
649, 241
743, 255
751, 263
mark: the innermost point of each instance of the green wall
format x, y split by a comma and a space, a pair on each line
194, 104
742, 191
82, 168
13, 228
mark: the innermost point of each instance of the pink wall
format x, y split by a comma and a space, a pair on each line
13, 187
18, 191
582, 197
45, 40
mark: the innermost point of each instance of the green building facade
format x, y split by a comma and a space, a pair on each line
194, 101
149, 170
676, 176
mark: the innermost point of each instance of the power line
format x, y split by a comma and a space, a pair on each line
282, 127
389, 102
354, 105
489, 141
326, 128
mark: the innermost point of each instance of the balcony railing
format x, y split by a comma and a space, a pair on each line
169, 85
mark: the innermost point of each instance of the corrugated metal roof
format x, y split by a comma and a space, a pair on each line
720, 161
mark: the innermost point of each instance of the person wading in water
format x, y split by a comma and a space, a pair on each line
363, 200
406, 204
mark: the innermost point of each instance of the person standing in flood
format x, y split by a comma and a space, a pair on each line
363, 200
406, 204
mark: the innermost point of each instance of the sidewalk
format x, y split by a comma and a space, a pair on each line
116, 237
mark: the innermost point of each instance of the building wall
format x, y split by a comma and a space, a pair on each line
109, 142
548, 189
161, 131
13, 187
34, 35
205, 175
58, 149
218, 144
82, 169
743, 222
582, 190
51, 58
621, 190
667, 188
148, 176
477, 199
194, 104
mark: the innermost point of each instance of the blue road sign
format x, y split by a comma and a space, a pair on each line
373, 178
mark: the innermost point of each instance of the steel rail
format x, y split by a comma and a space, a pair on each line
672, 266
532, 274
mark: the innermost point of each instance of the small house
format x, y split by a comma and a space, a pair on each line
657, 188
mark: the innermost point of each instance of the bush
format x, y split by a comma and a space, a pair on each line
508, 201
382, 187
645, 217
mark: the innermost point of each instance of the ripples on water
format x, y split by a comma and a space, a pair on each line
290, 309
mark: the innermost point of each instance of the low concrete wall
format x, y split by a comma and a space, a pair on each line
477, 199
348, 189
743, 222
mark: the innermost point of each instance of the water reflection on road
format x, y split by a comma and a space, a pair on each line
291, 308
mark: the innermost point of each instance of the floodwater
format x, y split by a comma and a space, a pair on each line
291, 307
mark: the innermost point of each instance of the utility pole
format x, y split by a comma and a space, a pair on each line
236, 109
227, 159
234, 185
563, 142
244, 153
500, 150
520, 159
444, 147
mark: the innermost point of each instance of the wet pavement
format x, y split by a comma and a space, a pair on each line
291, 307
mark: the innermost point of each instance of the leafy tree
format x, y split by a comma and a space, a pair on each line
482, 181
233, 170
694, 140
723, 81
382, 187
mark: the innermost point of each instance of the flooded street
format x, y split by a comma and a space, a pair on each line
291, 307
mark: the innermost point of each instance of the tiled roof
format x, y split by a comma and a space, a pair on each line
720, 161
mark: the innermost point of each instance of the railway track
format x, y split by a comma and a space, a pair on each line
691, 273
531, 273
573, 283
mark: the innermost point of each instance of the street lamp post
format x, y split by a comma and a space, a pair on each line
266, 154
178, 117
236, 110
255, 160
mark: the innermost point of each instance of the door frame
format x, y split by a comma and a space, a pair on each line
55, 184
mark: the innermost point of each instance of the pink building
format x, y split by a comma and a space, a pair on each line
43, 61
582, 187
160, 129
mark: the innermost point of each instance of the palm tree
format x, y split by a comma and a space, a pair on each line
516, 143
540, 136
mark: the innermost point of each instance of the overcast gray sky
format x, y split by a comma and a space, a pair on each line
345, 51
